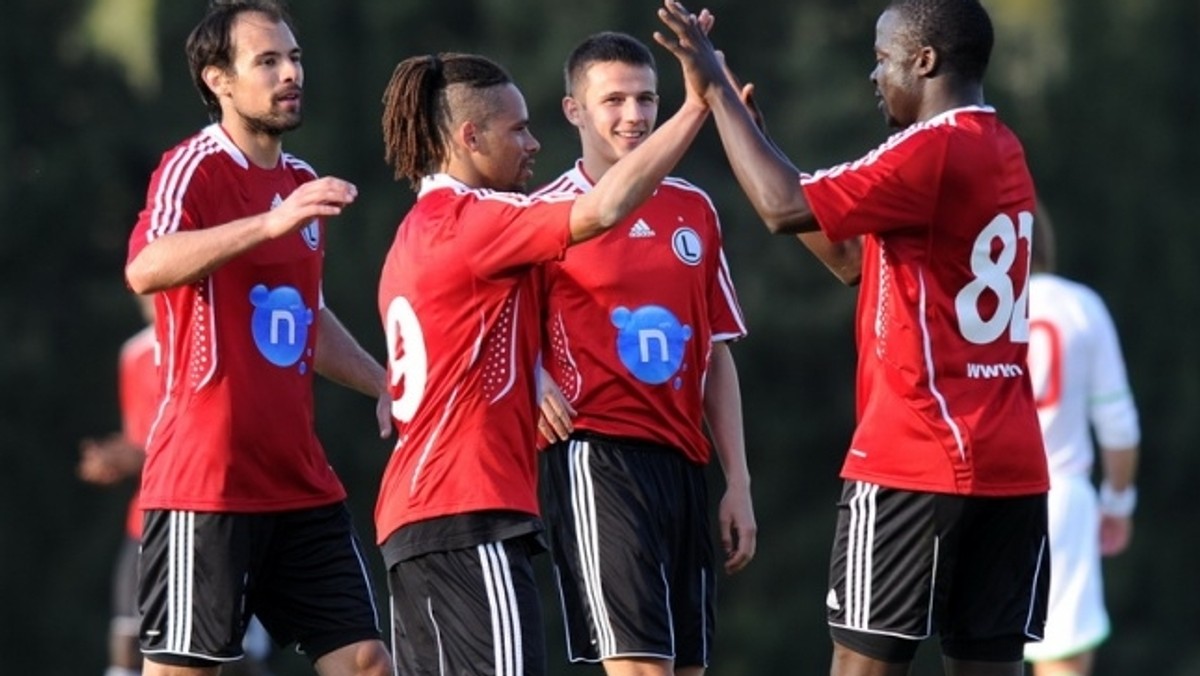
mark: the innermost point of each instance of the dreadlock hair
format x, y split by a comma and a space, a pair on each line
426, 96
959, 30
210, 42
604, 47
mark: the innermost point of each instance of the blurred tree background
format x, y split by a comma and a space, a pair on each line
1103, 92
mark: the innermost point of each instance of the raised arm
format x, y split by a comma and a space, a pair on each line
843, 259
636, 176
183, 257
767, 177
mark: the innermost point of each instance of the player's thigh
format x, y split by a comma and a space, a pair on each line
885, 570
632, 550
1000, 580
313, 586
192, 590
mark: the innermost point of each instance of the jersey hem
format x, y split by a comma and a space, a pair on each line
241, 507
1007, 491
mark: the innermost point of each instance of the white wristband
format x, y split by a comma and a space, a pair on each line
1117, 503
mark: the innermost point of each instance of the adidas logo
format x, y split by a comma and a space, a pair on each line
641, 229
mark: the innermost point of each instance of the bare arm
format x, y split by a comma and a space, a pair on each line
108, 460
843, 259
341, 359
183, 257
635, 177
723, 413
767, 177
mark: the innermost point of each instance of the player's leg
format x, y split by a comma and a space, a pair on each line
124, 655
956, 667
361, 658
613, 509
998, 592
313, 588
1076, 665
1076, 619
257, 647
470, 610
885, 570
848, 662
694, 561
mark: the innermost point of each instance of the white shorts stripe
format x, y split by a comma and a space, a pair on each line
506, 615
181, 569
437, 632
859, 554
583, 506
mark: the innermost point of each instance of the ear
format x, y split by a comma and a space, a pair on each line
927, 61
572, 110
467, 136
216, 80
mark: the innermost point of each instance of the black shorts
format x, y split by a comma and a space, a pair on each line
203, 575
906, 565
474, 610
632, 548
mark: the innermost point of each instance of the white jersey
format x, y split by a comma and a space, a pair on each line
1078, 375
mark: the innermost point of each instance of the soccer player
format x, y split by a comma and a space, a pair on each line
641, 352
461, 302
243, 513
120, 456
942, 522
1079, 380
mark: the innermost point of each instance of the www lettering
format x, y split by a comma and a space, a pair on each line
994, 370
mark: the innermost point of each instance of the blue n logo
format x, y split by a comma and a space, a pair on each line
650, 342
280, 323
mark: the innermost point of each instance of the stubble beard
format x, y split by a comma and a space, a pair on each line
273, 124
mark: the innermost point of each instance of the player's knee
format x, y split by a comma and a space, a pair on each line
371, 658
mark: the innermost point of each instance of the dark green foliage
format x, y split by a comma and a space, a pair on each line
1112, 144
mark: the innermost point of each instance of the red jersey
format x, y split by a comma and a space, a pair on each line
235, 431
945, 209
137, 387
460, 301
632, 315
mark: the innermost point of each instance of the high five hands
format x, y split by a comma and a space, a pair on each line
688, 41
704, 66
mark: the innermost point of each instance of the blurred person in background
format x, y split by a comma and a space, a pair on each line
120, 456
117, 457
1080, 384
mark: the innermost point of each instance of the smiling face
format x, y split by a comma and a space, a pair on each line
614, 105
261, 92
898, 85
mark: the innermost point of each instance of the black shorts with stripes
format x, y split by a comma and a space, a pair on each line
633, 550
202, 575
907, 565
473, 610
